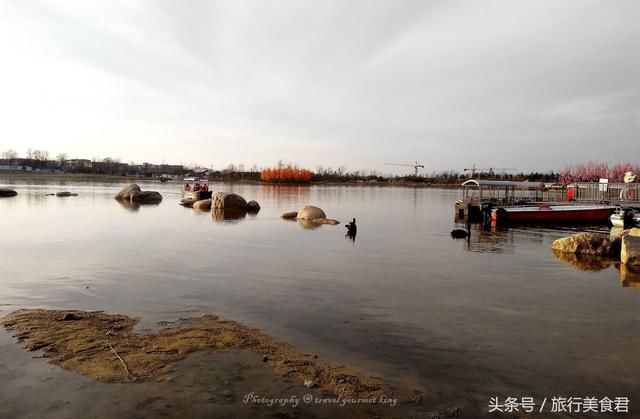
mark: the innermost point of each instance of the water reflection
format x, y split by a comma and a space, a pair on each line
221, 215
583, 262
406, 297
128, 205
629, 275
307, 224
482, 239
286, 194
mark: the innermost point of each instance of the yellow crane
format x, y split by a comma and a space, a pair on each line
415, 165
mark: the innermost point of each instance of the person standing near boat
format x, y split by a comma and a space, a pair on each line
627, 193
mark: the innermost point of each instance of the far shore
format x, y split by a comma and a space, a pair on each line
91, 177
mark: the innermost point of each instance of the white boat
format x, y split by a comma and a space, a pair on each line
190, 194
617, 218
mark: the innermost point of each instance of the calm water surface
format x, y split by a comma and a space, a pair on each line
498, 315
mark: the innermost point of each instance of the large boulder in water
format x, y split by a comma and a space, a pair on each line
146, 197
583, 243
136, 195
202, 205
630, 251
616, 239
128, 191
6, 193
65, 194
311, 213
229, 201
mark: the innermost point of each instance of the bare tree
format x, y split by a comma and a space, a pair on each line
10, 155
41, 155
62, 158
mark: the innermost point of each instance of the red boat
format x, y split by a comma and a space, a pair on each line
554, 213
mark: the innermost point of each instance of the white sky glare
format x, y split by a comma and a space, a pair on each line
533, 85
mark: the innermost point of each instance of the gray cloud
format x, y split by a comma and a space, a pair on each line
532, 85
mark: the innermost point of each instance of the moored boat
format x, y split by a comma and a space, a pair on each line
625, 217
554, 213
196, 189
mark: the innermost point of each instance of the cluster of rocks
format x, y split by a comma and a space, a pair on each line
7, 193
225, 205
135, 195
624, 246
310, 214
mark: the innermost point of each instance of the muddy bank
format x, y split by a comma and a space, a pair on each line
104, 347
204, 385
243, 367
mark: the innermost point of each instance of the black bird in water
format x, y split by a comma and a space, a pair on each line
352, 229
459, 233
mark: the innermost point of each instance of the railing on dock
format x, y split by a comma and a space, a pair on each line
509, 193
614, 193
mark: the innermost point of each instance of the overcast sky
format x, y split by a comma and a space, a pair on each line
523, 84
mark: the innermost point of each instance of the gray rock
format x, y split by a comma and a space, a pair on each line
7, 193
146, 197
630, 252
253, 207
326, 221
128, 191
584, 243
311, 213
202, 205
292, 214
65, 194
70, 316
228, 201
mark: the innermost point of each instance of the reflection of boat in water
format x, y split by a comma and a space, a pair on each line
195, 195
554, 213
629, 214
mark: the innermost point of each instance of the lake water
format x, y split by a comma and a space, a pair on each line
463, 321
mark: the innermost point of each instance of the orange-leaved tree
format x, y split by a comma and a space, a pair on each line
288, 173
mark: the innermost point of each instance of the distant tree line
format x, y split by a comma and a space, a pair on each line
39, 161
593, 171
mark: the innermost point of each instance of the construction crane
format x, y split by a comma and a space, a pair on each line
416, 166
490, 170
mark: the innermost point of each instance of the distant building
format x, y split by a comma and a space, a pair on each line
14, 165
78, 164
